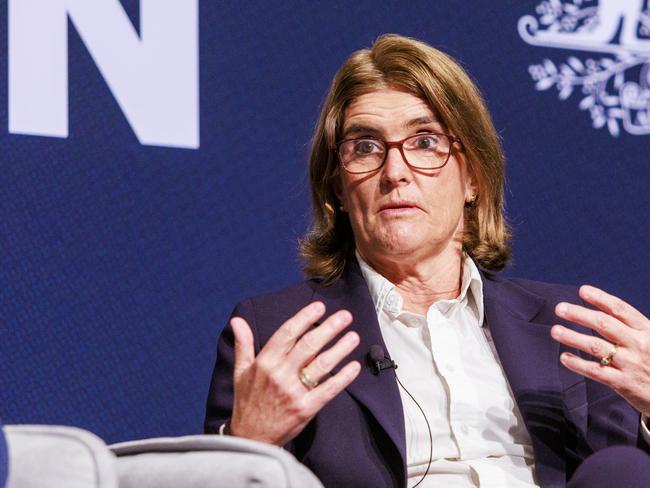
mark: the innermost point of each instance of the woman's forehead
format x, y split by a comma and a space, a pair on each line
386, 109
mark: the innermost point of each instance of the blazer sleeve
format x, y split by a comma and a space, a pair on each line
220, 396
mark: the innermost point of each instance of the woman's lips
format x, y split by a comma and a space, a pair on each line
398, 208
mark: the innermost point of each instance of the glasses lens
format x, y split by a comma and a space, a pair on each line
361, 155
427, 150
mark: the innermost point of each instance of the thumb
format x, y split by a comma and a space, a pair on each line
244, 348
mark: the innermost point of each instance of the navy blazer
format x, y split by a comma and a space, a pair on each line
358, 439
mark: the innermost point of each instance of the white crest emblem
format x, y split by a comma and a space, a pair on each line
615, 84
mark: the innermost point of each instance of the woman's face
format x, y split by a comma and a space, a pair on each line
396, 211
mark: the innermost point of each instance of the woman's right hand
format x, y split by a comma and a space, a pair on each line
271, 403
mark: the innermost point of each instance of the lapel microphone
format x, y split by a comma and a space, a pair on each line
378, 361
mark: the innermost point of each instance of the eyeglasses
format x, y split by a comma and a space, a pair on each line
422, 151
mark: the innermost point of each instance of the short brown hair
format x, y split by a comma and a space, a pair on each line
433, 76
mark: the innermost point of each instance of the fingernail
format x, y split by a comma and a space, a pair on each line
356, 366
562, 309
351, 339
556, 331
318, 307
233, 325
344, 317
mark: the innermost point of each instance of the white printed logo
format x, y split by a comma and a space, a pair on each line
616, 86
153, 76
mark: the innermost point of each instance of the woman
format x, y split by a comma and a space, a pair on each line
407, 188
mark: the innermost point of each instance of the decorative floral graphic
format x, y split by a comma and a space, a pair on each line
568, 16
615, 88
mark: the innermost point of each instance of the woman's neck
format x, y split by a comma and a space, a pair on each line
422, 282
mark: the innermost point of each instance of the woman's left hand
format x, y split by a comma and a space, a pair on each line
625, 339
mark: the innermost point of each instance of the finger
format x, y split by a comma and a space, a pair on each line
244, 346
313, 341
614, 306
595, 346
326, 391
606, 375
289, 332
606, 325
327, 360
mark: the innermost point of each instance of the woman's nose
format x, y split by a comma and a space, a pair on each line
395, 167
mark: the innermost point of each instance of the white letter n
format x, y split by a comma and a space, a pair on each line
153, 77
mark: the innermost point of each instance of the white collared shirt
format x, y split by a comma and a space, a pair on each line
447, 362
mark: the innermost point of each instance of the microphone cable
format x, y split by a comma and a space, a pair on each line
428, 428
378, 361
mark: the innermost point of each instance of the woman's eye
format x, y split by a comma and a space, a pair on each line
426, 141
365, 147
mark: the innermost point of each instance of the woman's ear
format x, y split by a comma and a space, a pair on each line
338, 191
471, 185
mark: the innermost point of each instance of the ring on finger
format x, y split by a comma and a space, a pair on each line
609, 358
306, 380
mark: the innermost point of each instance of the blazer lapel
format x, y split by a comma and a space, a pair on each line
530, 359
379, 394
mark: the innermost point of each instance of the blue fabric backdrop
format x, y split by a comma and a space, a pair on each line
121, 262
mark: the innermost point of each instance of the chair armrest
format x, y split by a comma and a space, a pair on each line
208, 461
47, 456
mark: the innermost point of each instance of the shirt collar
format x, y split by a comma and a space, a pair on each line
386, 297
380, 288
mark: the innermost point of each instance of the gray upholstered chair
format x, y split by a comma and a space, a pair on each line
208, 461
52, 456
47, 456
4, 461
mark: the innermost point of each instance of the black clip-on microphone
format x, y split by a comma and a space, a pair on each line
378, 361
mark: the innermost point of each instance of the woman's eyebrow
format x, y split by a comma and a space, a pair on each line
360, 129
355, 129
424, 120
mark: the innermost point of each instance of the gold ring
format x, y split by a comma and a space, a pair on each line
306, 380
607, 360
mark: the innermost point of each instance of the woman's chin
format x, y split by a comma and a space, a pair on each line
399, 245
